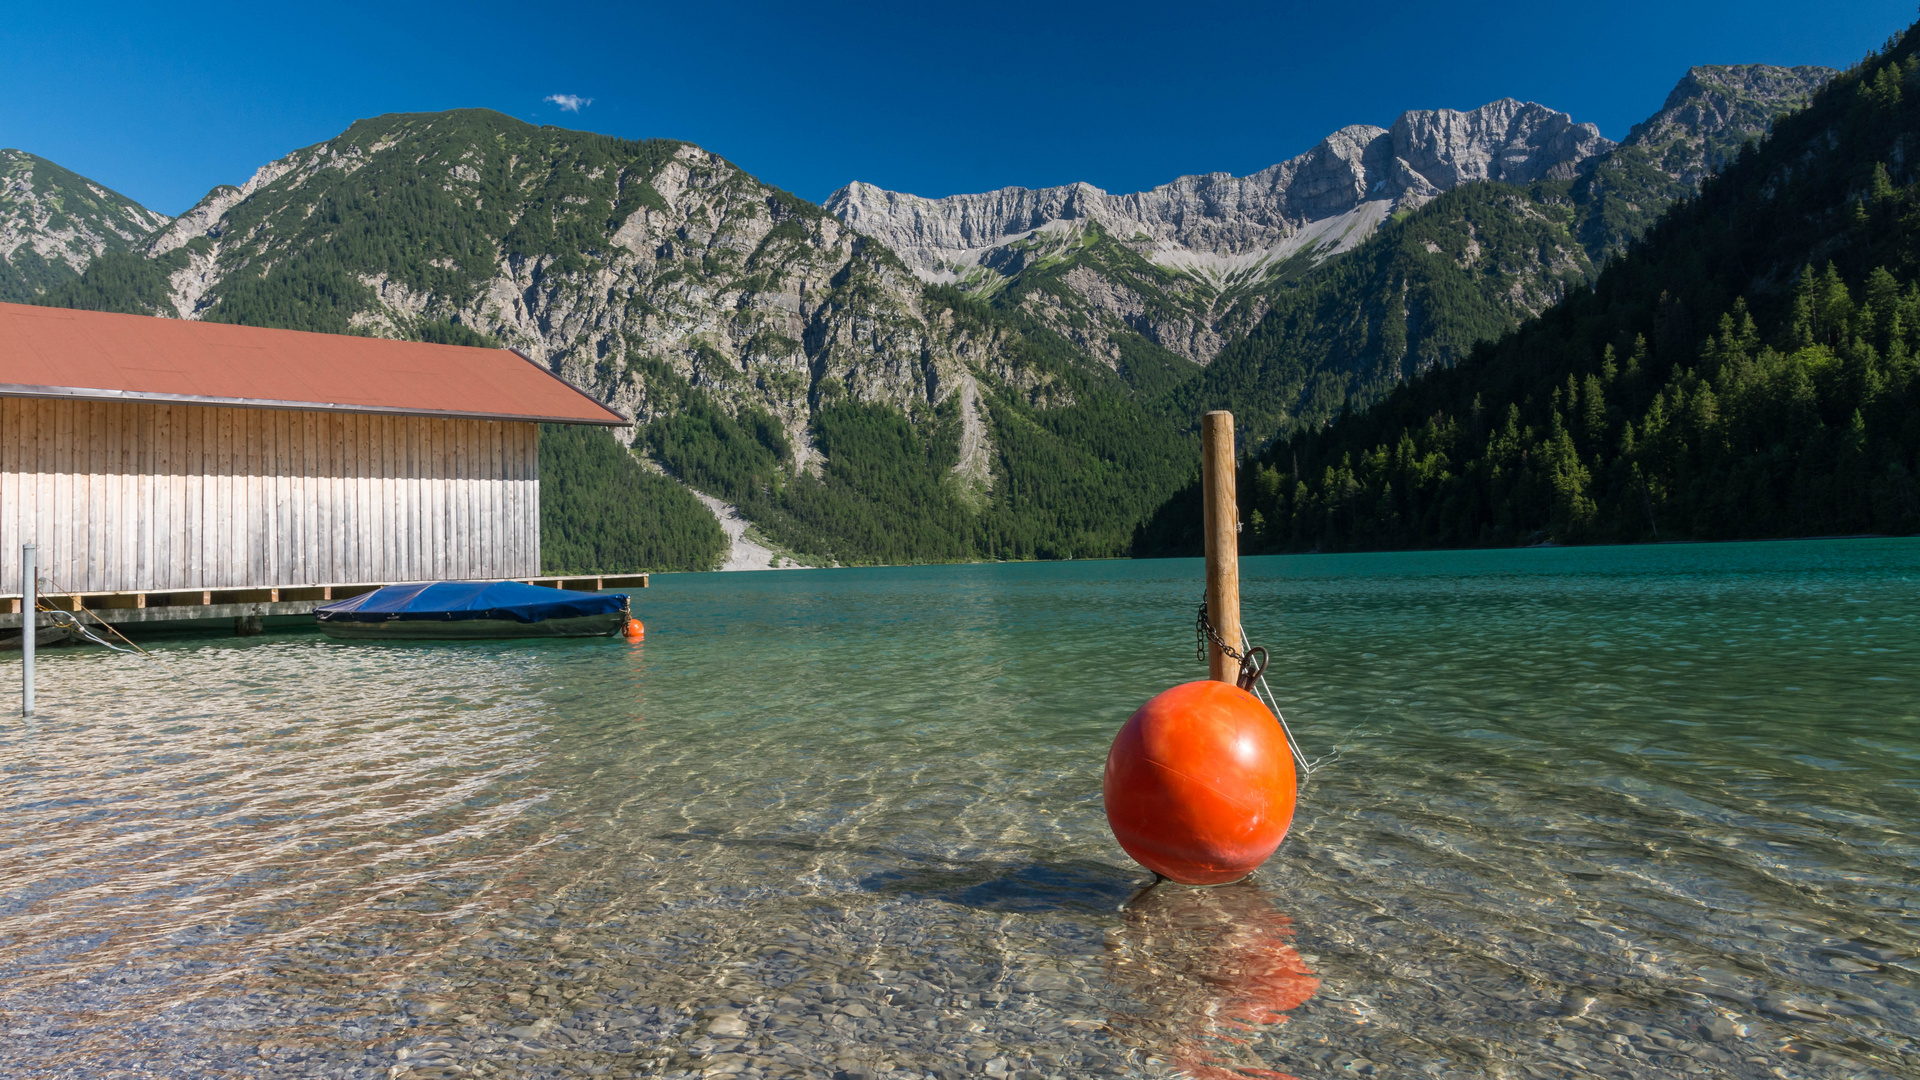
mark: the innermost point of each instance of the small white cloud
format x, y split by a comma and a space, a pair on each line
569, 102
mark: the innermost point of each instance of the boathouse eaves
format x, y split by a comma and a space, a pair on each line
106, 356
147, 455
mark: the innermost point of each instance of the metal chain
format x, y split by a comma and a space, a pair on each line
1250, 676
1204, 632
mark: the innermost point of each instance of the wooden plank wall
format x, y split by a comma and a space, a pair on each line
125, 496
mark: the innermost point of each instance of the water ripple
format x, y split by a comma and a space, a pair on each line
1614, 811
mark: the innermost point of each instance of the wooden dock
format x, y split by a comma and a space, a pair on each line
247, 607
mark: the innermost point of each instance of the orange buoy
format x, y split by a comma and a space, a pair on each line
1200, 784
635, 630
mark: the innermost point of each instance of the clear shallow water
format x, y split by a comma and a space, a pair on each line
1630, 812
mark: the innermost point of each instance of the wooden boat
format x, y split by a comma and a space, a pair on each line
457, 610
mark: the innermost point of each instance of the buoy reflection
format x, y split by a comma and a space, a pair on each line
1208, 968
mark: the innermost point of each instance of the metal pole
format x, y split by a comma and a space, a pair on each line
29, 623
1220, 528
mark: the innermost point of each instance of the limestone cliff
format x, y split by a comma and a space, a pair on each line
1219, 243
1711, 113
1219, 223
1195, 264
602, 258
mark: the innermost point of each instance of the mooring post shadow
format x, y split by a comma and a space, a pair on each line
29, 623
1220, 525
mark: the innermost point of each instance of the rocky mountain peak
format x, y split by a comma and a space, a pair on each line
1327, 199
652, 273
1715, 109
54, 222
1513, 141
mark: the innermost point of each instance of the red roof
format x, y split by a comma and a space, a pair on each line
57, 352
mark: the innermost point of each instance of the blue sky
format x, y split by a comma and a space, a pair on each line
163, 102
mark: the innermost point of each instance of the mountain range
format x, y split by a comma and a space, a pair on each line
1224, 240
887, 378
1229, 242
1748, 368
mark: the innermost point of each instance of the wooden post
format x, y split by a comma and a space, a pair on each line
1220, 523
29, 623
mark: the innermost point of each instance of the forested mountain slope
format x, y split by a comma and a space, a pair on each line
1474, 263
601, 512
1709, 116
54, 223
1748, 369
777, 358
766, 352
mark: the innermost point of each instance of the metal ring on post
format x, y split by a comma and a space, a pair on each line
1249, 671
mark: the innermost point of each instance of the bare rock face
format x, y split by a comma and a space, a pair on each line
1507, 140
631, 269
1224, 223
1224, 239
54, 223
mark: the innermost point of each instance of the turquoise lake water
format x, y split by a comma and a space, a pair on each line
1611, 811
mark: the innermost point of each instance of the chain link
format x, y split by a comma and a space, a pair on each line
1204, 632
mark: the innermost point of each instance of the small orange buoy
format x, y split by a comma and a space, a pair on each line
1200, 784
635, 631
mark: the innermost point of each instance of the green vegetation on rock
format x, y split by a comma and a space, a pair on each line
122, 281
1076, 459
1418, 294
54, 223
1079, 453
601, 511
1746, 370
776, 359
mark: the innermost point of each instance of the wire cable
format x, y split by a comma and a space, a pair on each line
1293, 744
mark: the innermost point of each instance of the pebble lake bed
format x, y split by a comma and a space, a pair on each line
1631, 812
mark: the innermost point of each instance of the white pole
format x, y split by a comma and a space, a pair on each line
29, 623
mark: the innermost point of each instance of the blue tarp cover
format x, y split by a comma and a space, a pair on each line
451, 600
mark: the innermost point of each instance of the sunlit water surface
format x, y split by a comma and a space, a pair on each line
1629, 812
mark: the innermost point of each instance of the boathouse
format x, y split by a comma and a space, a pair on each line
174, 464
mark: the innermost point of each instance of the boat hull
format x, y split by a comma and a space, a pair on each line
602, 625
